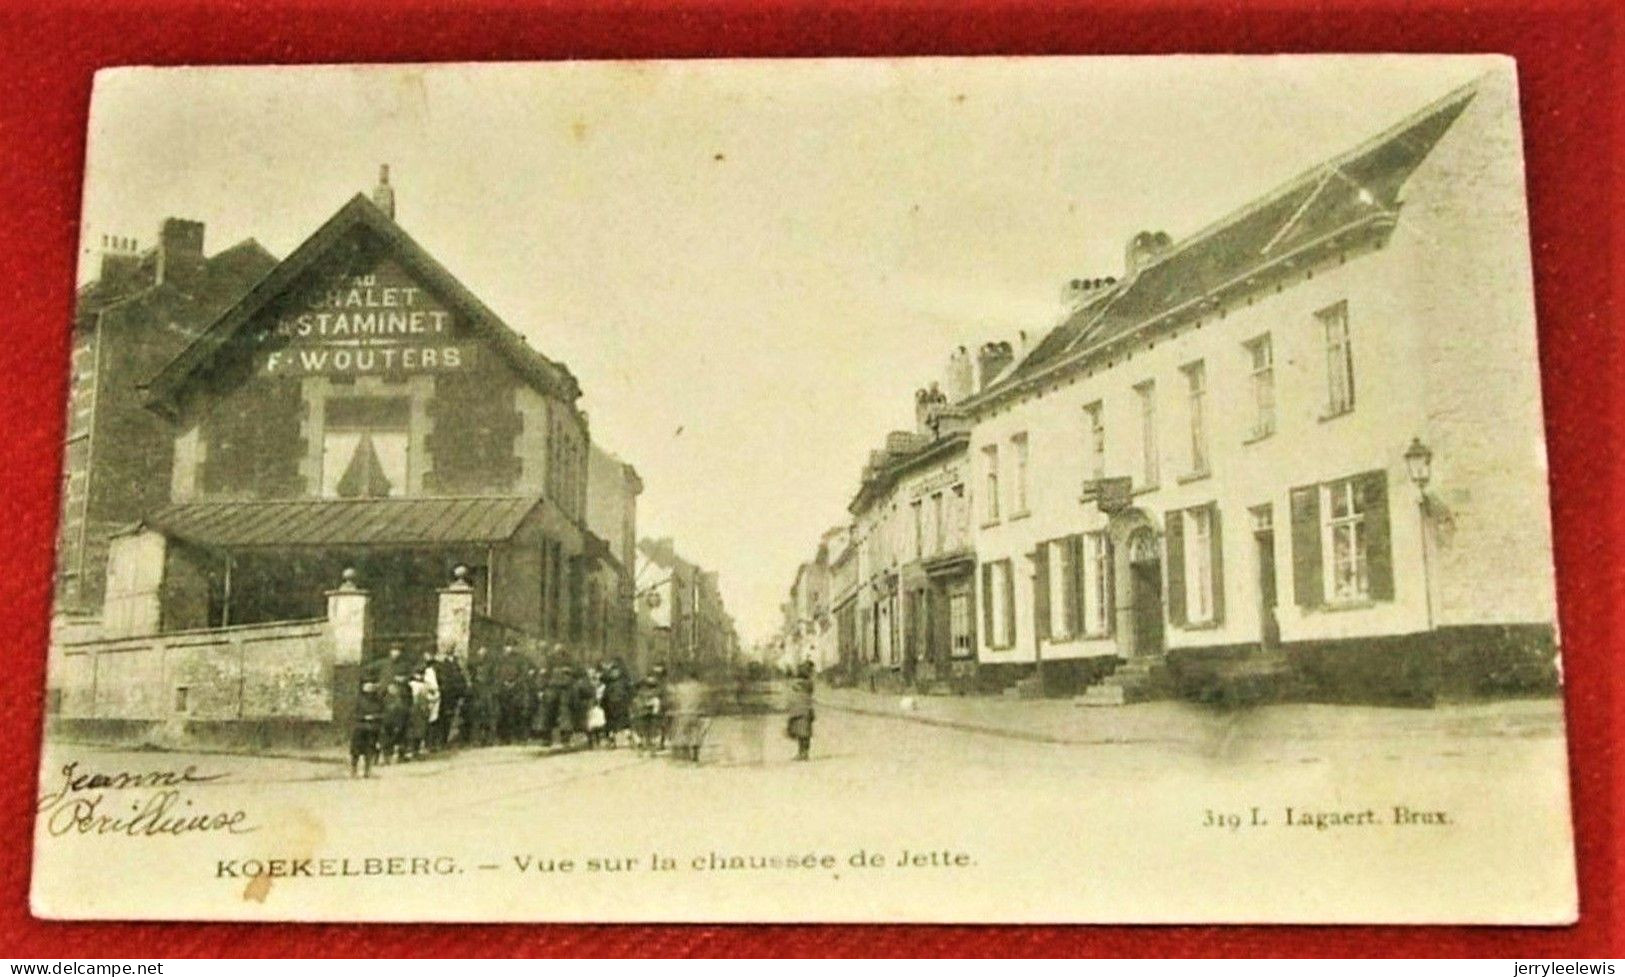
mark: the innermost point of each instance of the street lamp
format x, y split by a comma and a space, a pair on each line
1419, 461
1419, 464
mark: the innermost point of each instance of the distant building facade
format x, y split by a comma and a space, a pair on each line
613, 487
682, 619
901, 591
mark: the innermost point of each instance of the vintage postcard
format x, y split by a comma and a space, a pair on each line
994, 490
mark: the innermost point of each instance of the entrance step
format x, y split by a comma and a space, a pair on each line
1138, 680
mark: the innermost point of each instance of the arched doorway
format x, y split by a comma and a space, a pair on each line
1145, 591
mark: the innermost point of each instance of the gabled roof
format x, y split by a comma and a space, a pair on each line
1360, 186
345, 522
359, 215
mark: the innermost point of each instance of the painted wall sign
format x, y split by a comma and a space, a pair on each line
379, 322
952, 474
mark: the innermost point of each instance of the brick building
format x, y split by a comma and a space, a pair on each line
1303, 443
359, 408
139, 311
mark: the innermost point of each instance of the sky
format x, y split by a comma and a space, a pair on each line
750, 266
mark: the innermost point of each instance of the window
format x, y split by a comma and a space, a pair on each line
1195, 566
1061, 558
364, 447
939, 529
1097, 597
1147, 394
1073, 590
990, 461
1196, 392
959, 626
1339, 359
1340, 542
1199, 566
1343, 543
1018, 447
1094, 420
918, 506
998, 604
1261, 353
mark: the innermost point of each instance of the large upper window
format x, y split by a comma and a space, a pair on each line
939, 527
1261, 362
365, 445
990, 465
1147, 394
1196, 397
1018, 449
1334, 322
1095, 441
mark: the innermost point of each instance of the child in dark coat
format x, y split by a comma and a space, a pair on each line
369, 713
800, 726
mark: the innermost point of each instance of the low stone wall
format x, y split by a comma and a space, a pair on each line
254, 686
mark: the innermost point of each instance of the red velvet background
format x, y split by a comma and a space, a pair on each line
1568, 53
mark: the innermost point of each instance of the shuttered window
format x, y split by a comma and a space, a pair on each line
1195, 566
1341, 551
998, 604
1097, 599
1059, 583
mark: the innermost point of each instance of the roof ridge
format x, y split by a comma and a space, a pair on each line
1459, 93
312, 500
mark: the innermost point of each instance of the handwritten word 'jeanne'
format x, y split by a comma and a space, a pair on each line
80, 804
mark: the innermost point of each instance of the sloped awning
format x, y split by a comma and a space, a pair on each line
285, 523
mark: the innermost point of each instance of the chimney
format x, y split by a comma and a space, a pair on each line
121, 262
383, 195
991, 360
180, 253
928, 403
961, 379
1144, 248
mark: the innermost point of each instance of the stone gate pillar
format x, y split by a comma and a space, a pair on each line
348, 621
455, 625
348, 626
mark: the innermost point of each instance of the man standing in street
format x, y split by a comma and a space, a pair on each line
453, 690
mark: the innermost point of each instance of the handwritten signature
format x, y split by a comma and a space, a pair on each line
81, 804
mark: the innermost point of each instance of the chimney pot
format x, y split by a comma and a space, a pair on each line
992, 360
383, 195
